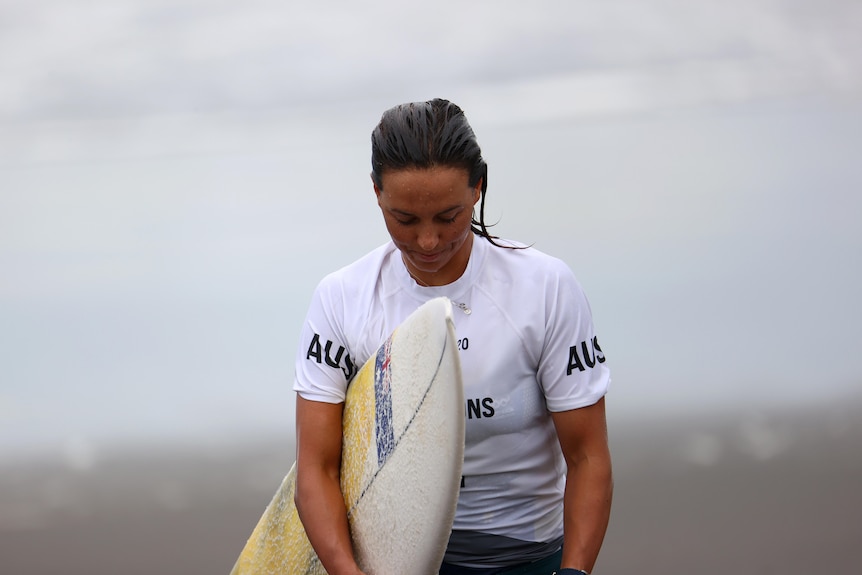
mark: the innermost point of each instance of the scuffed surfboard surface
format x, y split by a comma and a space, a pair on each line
401, 464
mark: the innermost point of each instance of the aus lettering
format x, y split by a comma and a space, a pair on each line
323, 354
480, 407
585, 355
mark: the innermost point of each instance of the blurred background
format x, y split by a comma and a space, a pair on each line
176, 176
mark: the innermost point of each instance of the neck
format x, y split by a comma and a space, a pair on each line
416, 277
424, 279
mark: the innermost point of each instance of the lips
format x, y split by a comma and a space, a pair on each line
427, 258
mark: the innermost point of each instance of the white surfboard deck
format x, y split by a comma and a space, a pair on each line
401, 460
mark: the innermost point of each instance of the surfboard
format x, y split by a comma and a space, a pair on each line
401, 464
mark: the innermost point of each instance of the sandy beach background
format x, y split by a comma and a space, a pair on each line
755, 493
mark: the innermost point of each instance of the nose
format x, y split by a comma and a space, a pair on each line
428, 238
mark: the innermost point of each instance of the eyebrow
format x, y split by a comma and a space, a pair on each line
411, 214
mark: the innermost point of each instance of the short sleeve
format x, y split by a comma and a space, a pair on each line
324, 363
572, 371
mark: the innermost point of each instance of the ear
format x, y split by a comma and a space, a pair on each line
377, 190
477, 191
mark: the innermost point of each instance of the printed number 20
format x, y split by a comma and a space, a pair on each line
463, 343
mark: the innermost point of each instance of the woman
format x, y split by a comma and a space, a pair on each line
536, 491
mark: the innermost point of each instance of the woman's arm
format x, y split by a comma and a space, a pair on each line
318, 497
583, 438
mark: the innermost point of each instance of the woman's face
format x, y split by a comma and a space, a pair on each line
428, 212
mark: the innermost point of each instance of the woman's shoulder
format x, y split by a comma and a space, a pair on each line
346, 295
523, 258
527, 272
359, 271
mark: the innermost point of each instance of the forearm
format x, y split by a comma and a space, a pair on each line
318, 496
586, 510
321, 508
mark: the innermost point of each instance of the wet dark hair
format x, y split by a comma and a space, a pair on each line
429, 134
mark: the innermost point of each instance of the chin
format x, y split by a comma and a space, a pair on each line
424, 267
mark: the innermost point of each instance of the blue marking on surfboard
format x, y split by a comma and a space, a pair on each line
431, 381
383, 403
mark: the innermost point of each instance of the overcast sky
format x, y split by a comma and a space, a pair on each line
175, 176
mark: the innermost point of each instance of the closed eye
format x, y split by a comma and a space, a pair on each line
447, 217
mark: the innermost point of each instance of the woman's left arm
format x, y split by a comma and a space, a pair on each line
583, 438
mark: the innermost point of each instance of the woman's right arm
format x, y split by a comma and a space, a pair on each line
318, 494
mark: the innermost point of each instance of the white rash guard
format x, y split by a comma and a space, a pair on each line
528, 346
